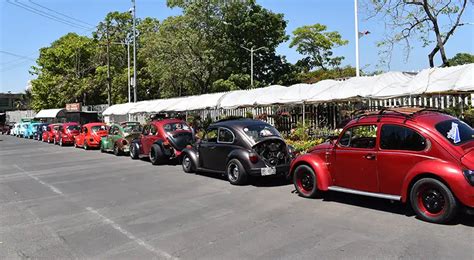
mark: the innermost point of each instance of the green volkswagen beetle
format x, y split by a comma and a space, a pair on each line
119, 137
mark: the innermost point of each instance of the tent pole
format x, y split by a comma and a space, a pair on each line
304, 112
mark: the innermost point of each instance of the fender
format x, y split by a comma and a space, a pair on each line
319, 166
447, 172
166, 152
193, 154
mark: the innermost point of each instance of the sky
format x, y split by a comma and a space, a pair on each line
23, 33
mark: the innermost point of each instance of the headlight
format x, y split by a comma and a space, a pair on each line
469, 174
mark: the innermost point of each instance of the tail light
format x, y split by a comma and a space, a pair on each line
253, 157
124, 142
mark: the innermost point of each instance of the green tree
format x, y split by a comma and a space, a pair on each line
460, 59
420, 20
64, 73
318, 44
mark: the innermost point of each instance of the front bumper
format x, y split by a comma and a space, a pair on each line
281, 170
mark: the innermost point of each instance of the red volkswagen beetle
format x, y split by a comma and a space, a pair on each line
90, 135
66, 133
48, 135
418, 156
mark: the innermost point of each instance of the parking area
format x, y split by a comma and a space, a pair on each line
62, 202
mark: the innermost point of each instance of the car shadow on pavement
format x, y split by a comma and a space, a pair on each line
268, 181
394, 207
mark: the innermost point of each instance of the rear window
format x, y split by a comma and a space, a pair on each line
99, 128
173, 127
73, 128
455, 131
258, 132
132, 128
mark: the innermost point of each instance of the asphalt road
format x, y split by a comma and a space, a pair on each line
62, 202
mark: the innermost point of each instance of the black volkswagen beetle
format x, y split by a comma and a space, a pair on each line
239, 148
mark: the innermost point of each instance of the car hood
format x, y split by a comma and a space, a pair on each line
265, 139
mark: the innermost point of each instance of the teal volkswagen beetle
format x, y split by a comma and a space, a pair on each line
119, 137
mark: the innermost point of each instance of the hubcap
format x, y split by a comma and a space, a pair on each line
305, 181
187, 162
233, 172
432, 200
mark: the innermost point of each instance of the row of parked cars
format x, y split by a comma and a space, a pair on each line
420, 157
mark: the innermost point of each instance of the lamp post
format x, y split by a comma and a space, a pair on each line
134, 81
356, 25
252, 50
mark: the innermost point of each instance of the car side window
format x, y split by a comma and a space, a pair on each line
146, 130
111, 130
211, 135
85, 130
395, 137
363, 136
225, 136
153, 130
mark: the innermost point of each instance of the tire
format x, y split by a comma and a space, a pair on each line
85, 145
61, 142
304, 179
188, 164
156, 155
75, 144
54, 141
134, 151
433, 201
236, 173
117, 151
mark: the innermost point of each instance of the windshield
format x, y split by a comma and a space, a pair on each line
258, 132
455, 131
132, 128
73, 128
173, 127
97, 128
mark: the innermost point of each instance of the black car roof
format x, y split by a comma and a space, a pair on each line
238, 123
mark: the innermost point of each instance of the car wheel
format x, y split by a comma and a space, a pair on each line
304, 179
236, 173
85, 145
134, 151
188, 165
75, 144
433, 201
117, 151
61, 142
54, 141
156, 155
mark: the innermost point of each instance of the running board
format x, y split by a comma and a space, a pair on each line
364, 193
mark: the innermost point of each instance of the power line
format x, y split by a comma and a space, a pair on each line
62, 14
17, 55
47, 15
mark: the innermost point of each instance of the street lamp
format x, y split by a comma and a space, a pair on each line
134, 82
252, 50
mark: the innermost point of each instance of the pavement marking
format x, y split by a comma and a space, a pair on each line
130, 235
158, 252
51, 187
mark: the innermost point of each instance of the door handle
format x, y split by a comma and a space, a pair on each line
369, 156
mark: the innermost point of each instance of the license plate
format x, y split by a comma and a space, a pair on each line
268, 171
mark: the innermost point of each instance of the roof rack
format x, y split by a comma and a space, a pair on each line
407, 112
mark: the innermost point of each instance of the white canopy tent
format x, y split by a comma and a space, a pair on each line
51, 113
386, 85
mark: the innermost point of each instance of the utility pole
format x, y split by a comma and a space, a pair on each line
109, 83
252, 50
128, 68
356, 25
134, 81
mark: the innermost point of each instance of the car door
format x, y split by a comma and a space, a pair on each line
225, 145
149, 138
355, 159
401, 148
206, 148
